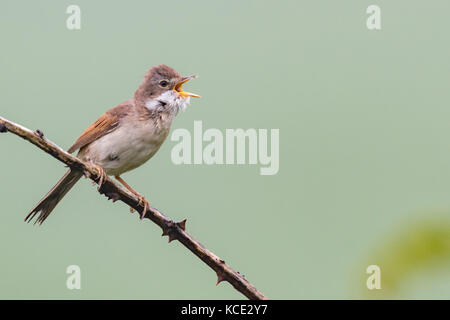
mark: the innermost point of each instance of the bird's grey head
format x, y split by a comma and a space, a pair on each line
162, 90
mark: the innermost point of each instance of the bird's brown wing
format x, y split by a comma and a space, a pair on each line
107, 123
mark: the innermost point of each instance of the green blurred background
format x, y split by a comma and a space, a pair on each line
364, 154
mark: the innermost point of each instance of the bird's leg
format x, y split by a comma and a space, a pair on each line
142, 200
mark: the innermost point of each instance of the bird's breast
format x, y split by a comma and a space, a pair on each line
128, 146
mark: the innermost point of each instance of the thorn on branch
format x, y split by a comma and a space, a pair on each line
171, 231
172, 236
220, 277
114, 196
182, 224
39, 133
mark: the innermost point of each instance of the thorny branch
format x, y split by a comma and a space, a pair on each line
174, 230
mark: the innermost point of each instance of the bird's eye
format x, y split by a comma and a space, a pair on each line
164, 83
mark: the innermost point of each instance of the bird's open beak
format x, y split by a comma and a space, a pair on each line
178, 88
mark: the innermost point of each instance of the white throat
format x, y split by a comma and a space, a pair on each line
169, 101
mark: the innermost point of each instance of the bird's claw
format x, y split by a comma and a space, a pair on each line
144, 203
102, 176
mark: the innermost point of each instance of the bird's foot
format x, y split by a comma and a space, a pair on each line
143, 202
102, 176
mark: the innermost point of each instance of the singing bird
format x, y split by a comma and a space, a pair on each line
125, 136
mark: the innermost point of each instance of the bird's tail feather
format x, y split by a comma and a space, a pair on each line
54, 196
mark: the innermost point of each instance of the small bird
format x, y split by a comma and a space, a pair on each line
125, 136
